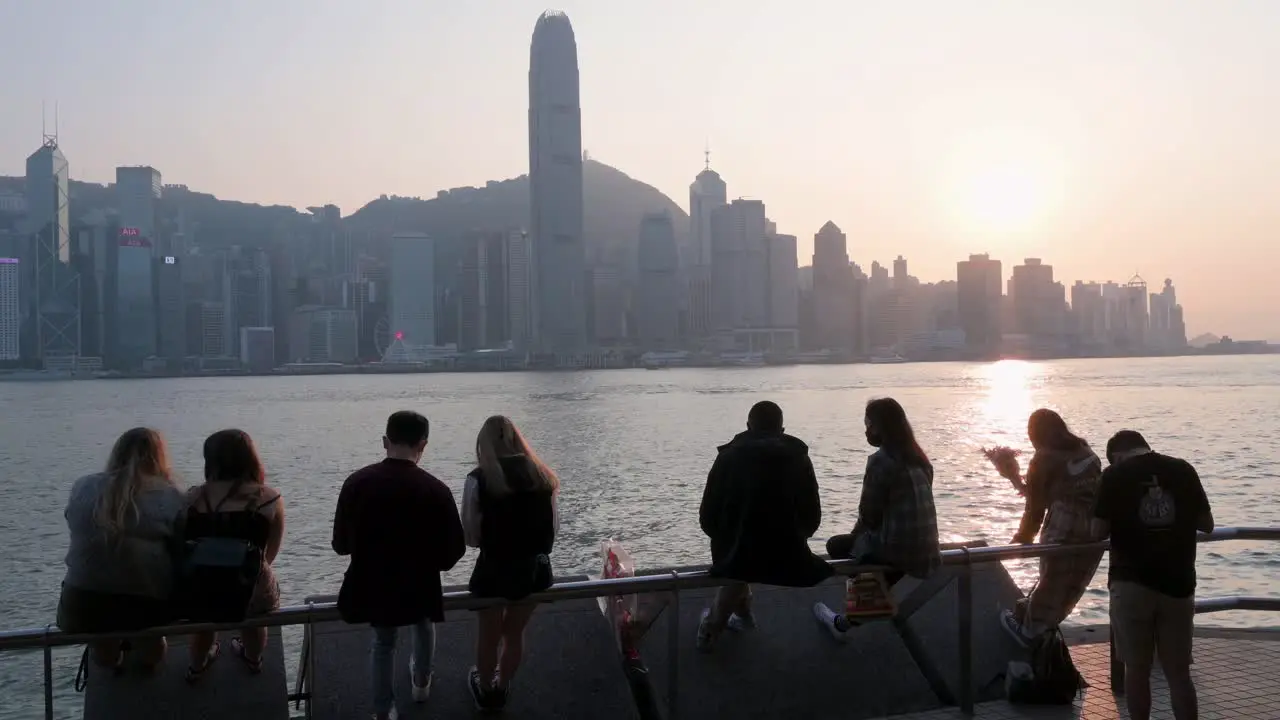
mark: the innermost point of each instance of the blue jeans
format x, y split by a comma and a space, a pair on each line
383, 656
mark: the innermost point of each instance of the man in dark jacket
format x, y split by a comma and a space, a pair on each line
400, 526
759, 509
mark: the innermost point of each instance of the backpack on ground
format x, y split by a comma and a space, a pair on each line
217, 575
1051, 678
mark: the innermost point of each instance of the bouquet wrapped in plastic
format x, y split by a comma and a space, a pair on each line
1005, 461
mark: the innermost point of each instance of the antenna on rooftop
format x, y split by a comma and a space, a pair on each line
706, 154
46, 138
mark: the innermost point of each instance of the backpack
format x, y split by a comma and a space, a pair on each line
1050, 679
217, 574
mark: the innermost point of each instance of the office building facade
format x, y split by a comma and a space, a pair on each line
412, 310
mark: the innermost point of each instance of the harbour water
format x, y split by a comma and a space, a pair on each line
633, 449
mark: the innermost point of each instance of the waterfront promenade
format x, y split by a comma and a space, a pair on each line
944, 652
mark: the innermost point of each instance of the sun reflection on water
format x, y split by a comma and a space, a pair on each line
1006, 393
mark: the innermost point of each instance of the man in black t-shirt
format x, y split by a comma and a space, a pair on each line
1154, 505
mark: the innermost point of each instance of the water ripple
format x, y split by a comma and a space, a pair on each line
633, 449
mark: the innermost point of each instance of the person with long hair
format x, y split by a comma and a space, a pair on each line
124, 525
897, 521
235, 502
1061, 489
509, 512
399, 525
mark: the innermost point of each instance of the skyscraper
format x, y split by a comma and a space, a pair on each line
137, 189
555, 186
657, 300
413, 300
707, 193
833, 309
978, 286
10, 309
54, 302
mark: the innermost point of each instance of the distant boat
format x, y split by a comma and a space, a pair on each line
742, 359
887, 359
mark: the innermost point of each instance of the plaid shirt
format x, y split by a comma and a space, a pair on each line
897, 508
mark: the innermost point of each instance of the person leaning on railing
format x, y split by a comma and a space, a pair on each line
124, 525
236, 503
1061, 488
1153, 506
509, 512
399, 524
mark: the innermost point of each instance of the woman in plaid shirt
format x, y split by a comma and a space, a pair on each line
1061, 488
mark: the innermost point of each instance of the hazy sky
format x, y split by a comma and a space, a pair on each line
1106, 136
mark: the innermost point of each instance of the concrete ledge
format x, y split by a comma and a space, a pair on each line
788, 667
225, 690
571, 669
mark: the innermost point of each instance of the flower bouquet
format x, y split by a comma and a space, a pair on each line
1005, 461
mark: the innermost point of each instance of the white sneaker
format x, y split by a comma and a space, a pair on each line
420, 693
738, 623
827, 618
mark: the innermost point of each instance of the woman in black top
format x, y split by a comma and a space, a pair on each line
236, 502
508, 512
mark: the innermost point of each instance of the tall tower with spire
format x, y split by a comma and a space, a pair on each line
707, 193
53, 307
560, 290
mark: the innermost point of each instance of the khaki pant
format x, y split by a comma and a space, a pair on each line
1145, 620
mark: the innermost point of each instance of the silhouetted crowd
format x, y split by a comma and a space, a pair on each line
145, 553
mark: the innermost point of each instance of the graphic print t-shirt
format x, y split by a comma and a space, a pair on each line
1152, 502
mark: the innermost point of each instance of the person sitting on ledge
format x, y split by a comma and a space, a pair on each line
125, 526
235, 502
400, 526
759, 508
897, 522
1061, 488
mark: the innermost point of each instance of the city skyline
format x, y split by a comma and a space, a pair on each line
918, 99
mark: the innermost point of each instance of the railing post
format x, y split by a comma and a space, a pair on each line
48, 673
1117, 667
310, 635
673, 652
965, 603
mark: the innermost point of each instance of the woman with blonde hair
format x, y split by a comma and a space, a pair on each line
509, 512
124, 532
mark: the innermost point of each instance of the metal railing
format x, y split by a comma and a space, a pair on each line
50, 637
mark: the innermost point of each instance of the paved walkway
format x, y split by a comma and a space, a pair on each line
1237, 676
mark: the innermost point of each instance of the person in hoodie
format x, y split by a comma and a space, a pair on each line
897, 521
759, 508
509, 512
1061, 489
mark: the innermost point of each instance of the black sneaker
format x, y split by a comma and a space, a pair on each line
498, 697
484, 698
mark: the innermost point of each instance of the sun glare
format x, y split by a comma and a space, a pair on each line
1003, 183
1004, 199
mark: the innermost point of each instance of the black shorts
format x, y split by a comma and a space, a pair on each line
87, 611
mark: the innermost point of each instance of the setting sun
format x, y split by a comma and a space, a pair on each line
1004, 198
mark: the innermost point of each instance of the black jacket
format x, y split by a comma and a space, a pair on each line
760, 508
401, 528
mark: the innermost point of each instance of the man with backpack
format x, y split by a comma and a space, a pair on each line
400, 525
1155, 505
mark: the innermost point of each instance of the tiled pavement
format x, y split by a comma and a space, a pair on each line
1237, 677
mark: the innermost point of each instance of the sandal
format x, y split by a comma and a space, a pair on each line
237, 646
194, 673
